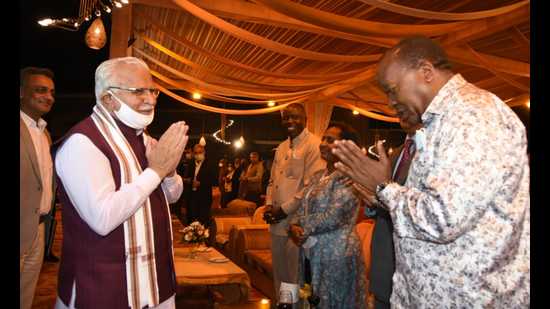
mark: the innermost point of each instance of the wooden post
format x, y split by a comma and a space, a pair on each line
121, 28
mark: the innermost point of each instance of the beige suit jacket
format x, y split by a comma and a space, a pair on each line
30, 188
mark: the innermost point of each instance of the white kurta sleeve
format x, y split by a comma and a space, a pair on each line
88, 180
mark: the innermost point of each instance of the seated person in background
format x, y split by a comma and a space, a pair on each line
251, 182
324, 225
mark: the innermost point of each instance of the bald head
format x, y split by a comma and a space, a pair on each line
411, 73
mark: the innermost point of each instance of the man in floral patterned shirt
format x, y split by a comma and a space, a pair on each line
462, 219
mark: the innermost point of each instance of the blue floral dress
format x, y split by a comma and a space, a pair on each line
328, 212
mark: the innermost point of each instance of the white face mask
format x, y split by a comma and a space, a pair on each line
130, 117
199, 157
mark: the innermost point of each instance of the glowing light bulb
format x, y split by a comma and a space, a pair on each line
355, 112
270, 103
237, 144
202, 141
118, 4
197, 95
124, 1
264, 301
45, 22
108, 9
528, 104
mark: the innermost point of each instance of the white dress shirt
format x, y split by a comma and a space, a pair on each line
42, 148
91, 188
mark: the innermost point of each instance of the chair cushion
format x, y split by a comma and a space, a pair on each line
260, 259
224, 224
258, 217
243, 205
222, 239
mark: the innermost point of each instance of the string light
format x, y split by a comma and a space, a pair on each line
270, 103
528, 104
87, 9
355, 112
45, 22
197, 95
215, 134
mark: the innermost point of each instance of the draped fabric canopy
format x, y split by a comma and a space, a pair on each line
321, 53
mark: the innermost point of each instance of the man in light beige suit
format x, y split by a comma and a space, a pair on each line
36, 175
296, 160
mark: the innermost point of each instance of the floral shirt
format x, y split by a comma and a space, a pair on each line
462, 219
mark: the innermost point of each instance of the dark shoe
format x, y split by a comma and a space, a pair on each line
51, 258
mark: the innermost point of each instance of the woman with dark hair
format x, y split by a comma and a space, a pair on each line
324, 226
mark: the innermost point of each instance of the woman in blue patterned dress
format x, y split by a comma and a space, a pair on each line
324, 226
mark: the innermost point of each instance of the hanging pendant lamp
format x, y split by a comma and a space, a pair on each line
96, 36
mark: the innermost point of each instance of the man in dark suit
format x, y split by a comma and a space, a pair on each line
198, 181
239, 167
382, 250
182, 169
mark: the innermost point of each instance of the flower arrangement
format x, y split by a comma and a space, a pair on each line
195, 233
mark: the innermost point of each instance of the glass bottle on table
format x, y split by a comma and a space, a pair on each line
285, 300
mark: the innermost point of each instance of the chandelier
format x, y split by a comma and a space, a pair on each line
95, 36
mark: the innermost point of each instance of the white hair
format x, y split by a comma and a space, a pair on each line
105, 74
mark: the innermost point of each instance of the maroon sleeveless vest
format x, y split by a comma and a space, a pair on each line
96, 262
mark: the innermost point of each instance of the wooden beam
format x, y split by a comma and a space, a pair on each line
121, 27
519, 100
519, 38
371, 106
247, 11
486, 27
165, 4
464, 56
346, 85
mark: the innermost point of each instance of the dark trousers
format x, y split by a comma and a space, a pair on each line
380, 305
198, 210
49, 226
178, 209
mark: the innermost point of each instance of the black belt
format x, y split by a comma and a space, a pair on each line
43, 218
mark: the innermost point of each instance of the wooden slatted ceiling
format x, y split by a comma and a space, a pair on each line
192, 38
